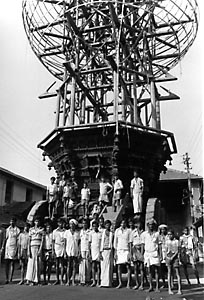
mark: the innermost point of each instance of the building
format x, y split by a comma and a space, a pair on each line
179, 208
17, 194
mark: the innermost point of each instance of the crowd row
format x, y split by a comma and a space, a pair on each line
64, 192
93, 252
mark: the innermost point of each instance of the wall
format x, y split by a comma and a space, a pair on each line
19, 190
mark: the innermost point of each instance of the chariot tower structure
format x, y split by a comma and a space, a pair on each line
111, 59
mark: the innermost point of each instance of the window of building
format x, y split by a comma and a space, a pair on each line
29, 195
9, 191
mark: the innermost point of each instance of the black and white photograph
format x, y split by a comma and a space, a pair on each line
101, 149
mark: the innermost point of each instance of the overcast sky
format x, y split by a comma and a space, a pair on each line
25, 120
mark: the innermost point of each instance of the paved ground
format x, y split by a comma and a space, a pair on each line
15, 292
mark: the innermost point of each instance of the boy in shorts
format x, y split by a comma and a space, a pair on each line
137, 255
172, 260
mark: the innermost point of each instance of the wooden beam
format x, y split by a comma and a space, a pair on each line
175, 23
59, 36
166, 43
47, 95
96, 28
84, 89
72, 25
37, 28
97, 70
50, 53
174, 55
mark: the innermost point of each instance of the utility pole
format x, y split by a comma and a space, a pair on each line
186, 161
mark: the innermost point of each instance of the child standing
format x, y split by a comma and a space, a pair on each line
117, 193
51, 197
188, 253
58, 250
85, 197
137, 255
47, 255
105, 189
84, 267
172, 260
66, 197
163, 238
94, 248
23, 241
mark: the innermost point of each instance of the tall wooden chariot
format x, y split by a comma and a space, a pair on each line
111, 59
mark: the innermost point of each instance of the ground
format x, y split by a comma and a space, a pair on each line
15, 292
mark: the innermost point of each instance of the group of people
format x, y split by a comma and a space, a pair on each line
65, 191
93, 250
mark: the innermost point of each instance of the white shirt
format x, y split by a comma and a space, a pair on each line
58, 240
118, 185
95, 239
104, 186
122, 239
151, 241
72, 242
84, 237
85, 193
137, 185
12, 234
135, 237
66, 191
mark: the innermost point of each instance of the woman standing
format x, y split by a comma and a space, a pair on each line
36, 234
11, 246
107, 255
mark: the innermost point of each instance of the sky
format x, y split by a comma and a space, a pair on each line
25, 120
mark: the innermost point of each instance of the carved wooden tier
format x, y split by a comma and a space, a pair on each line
85, 152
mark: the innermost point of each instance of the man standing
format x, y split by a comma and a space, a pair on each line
72, 237
122, 251
136, 191
151, 247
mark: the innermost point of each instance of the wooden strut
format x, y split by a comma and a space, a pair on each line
84, 89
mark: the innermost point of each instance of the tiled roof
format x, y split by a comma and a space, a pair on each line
172, 174
21, 178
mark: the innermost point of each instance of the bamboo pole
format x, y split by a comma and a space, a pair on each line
153, 104
58, 109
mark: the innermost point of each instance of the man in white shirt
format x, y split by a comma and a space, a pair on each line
94, 248
136, 191
84, 267
72, 238
151, 247
58, 250
122, 251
